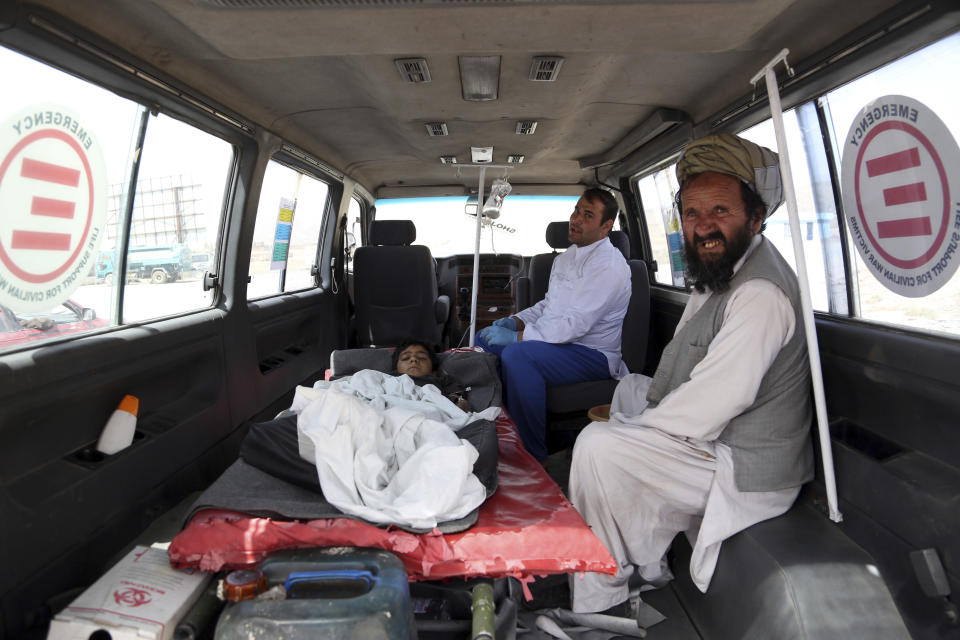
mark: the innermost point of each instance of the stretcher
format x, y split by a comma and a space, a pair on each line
526, 528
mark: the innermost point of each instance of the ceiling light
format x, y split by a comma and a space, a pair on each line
479, 77
436, 128
448, 159
481, 155
545, 68
526, 127
413, 70
514, 159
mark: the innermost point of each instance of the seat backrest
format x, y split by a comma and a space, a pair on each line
395, 287
636, 324
538, 272
621, 241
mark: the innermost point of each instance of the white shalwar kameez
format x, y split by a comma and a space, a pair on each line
648, 474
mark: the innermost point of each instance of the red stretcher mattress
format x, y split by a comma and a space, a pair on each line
526, 528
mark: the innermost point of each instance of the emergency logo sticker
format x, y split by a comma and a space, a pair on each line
52, 206
901, 194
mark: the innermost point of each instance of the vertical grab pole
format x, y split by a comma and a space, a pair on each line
476, 260
813, 348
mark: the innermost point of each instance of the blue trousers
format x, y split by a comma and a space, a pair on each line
528, 368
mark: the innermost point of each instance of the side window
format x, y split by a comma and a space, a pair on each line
904, 240
64, 165
176, 217
657, 193
890, 254
287, 231
819, 230
354, 232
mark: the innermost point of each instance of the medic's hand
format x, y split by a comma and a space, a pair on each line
507, 323
499, 336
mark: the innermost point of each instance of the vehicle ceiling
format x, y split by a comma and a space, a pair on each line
321, 73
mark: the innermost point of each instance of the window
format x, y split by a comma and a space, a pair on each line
919, 77
176, 214
815, 206
657, 192
354, 237
287, 231
911, 212
64, 165
444, 226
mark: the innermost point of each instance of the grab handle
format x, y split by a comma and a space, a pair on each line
344, 583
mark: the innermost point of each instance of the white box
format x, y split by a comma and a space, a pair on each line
139, 598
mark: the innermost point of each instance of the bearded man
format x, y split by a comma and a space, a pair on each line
718, 439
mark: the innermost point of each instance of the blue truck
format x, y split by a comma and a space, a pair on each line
159, 263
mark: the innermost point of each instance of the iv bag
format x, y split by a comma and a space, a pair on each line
498, 191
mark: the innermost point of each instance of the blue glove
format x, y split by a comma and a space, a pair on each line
507, 323
499, 336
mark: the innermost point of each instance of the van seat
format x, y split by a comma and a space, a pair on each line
532, 288
567, 405
794, 577
395, 286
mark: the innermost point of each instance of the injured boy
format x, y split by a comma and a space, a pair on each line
390, 449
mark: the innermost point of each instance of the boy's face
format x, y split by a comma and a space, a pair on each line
414, 361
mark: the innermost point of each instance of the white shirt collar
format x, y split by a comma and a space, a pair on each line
581, 253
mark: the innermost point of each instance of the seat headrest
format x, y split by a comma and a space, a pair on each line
621, 241
392, 232
558, 235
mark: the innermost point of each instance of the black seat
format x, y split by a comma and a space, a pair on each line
771, 582
532, 288
396, 288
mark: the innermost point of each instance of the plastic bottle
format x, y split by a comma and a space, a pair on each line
118, 432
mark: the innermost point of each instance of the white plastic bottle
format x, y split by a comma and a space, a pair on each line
118, 432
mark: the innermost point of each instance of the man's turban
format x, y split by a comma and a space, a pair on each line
724, 153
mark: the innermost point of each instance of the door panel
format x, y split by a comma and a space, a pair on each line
893, 398
66, 508
291, 339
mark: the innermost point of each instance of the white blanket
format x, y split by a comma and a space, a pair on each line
386, 450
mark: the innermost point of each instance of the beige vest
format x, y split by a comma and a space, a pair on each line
770, 440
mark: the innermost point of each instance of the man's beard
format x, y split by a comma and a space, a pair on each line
715, 274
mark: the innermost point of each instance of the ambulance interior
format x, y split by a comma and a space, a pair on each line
376, 115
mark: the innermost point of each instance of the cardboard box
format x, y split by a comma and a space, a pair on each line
139, 598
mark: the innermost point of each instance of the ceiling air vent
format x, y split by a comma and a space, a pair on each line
514, 158
545, 68
413, 70
436, 128
526, 127
448, 159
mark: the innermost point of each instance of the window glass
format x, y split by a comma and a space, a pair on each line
920, 77
444, 227
64, 141
176, 216
354, 231
657, 193
287, 231
819, 231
